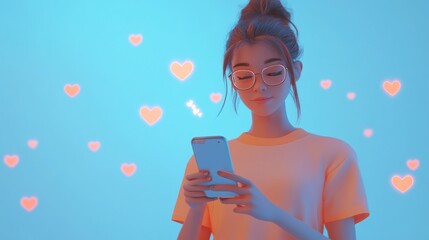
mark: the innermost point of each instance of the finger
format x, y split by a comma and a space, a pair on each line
235, 200
199, 174
199, 185
199, 188
229, 188
195, 194
200, 199
242, 209
199, 181
234, 177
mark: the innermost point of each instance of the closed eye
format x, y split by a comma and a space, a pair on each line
245, 77
275, 73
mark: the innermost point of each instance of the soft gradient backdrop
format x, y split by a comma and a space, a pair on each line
95, 128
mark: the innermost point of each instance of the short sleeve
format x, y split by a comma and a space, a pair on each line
181, 209
344, 193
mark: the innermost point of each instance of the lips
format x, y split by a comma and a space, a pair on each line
261, 99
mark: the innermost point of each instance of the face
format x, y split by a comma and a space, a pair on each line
256, 57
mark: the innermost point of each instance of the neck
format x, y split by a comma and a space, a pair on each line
274, 125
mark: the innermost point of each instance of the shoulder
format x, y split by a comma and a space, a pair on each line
333, 152
330, 145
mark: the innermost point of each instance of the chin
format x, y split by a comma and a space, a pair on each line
262, 112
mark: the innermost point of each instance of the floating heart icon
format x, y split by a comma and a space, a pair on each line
135, 39
392, 87
215, 97
94, 146
72, 90
11, 160
325, 84
150, 115
368, 132
413, 164
29, 203
402, 184
32, 143
181, 71
128, 169
351, 95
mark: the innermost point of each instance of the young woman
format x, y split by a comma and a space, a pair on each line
290, 183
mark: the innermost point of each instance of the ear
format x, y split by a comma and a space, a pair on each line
297, 68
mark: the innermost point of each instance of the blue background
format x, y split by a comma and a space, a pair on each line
45, 45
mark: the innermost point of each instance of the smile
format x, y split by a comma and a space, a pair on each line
261, 100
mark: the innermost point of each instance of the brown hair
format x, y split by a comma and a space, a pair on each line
267, 21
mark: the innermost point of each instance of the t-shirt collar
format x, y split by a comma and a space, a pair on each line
296, 134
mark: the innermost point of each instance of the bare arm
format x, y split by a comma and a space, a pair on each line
197, 201
342, 229
205, 233
192, 228
296, 227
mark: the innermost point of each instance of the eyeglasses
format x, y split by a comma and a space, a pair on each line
272, 75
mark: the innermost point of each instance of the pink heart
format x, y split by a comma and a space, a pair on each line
325, 84
135, 39
413, 164
72, 90
128, 169
367, 132
215, 97
94, 146
351, 95
402, 184
182, 70
32, 143
29, 203
392, 87
11, 160
150, 115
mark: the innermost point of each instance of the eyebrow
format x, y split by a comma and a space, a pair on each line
266, 62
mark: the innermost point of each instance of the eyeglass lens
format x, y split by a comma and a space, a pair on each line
272, 75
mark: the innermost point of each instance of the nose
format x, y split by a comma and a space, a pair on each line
259, 83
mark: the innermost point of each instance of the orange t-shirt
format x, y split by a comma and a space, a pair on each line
314, 178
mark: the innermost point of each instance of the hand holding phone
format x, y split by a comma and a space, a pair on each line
212, 154
193, 190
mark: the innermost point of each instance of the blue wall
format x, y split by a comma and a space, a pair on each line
84, 194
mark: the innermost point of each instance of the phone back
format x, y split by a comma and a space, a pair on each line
212, 153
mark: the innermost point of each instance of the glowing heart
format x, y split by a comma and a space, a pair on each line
32, 143
181, 71
402, 184
215, 97
135, 39
351, 95
150, 115
72, 90
392, 87
94, 146
29, 203
325, 84
368, 132
11, 160
128, 169
413, 164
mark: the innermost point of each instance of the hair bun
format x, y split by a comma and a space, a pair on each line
265, 8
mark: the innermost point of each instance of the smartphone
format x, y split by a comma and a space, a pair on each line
212, 153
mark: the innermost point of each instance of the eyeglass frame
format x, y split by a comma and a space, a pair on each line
254, 76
